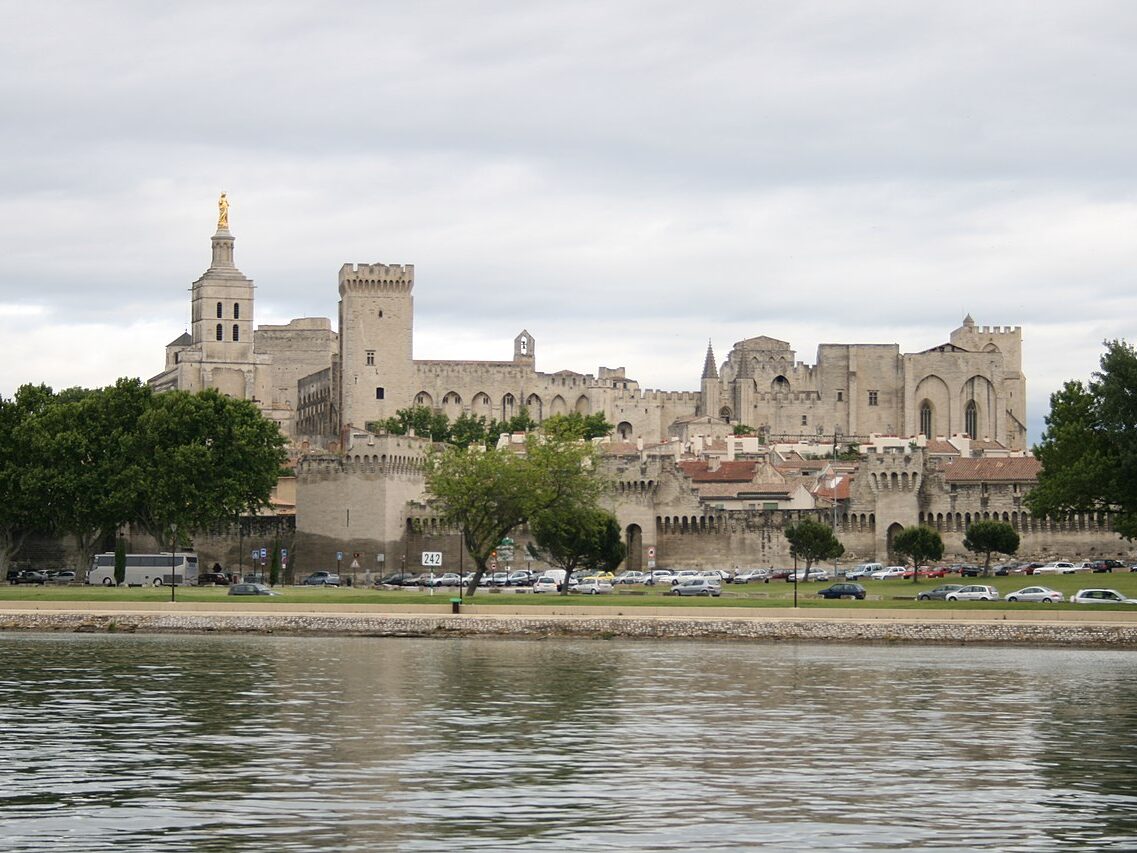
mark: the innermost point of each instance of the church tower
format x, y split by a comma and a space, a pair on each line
710, 385
222, 303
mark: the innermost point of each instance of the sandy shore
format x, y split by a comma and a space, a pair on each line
1115, 630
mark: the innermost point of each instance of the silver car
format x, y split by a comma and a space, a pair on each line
1036, 593
1100, 596
697, 586
975, 592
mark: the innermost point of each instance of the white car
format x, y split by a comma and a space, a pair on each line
1101, 596
1056, 568
659, 576
888, 573
685, 575
546, 584
975, 592
592, 586
630, 576
1036, 593
814, 575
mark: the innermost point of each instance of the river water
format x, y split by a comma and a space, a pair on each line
295, 744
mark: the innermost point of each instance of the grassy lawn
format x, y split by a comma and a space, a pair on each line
896, 594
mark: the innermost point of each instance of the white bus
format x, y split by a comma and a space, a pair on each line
146, 569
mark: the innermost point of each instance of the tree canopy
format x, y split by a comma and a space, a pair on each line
812, 542
581, 537
1088, 450
919, 544
991, 537
488, 493
84, 462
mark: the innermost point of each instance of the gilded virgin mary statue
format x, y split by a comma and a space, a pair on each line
223, 212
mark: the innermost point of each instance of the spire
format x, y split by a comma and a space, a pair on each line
968, 322
709, 369
222, 240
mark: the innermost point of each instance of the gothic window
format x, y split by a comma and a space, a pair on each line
220, 313
926, 419
370, 358
840, 396
236, 310
724, 413
380, 313
378, 393
220, 332
874, 397
971, 419
805, 420
236, 332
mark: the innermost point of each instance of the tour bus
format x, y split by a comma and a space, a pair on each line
146, 569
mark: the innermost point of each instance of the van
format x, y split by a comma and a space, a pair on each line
550, 580
862, 571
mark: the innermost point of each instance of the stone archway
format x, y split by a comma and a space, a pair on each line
633, 538
893, 529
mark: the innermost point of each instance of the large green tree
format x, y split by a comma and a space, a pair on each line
25, 471
919, 544
991, 537
422, 420
1089, 447
576, 425
488, 493
197, 459
812, 542
577, 537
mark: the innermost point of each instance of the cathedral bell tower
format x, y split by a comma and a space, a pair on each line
222, 302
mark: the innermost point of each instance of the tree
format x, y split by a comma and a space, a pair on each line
87, 434
488, 493
468, 430
743, 429
576, 425
119, 561
25, 471
1089, 447
919, 544
197, 459
988, 537
584, 537
422, 420
813, 541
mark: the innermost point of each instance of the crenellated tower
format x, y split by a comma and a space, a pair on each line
376, 339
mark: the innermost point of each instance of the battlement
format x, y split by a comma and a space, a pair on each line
396, 278
654, 396
998, 330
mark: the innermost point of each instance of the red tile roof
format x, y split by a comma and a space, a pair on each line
736, 471
1016, 469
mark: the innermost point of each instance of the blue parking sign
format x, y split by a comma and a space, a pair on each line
264, 553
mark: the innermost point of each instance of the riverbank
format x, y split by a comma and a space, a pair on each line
1113, 630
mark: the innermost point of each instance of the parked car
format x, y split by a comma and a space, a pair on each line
393, 579
593, 586
213, 579
888, 573
975, 592
546, 583
924, 572
1100, 596
940, 593
801, 577
629, 577
520, 577
696, 586
251, 589
752, 576
1036, 593
862, 571
843, 590
1058, 567
62, 577
966, 570
444, 579
322, 579
30, 576
1107, 565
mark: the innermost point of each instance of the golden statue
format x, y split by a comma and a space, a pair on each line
223, 213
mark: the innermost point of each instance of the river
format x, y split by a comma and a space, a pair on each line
205, 743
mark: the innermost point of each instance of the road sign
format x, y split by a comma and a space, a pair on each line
264, 553
651, 564
283, 553
355, 564
432, 558
651, 553
339, 556
256, 553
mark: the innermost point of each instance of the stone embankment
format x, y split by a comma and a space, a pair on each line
1066, 628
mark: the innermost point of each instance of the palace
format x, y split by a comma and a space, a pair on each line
317, 383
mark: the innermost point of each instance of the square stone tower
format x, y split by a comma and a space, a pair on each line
376, 337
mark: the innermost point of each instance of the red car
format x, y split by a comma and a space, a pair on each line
925, 572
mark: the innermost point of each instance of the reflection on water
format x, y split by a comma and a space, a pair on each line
282, 744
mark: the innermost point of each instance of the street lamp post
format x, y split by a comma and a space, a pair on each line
173, 563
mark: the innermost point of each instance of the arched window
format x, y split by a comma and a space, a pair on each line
220, 313
236, 332
236, 310
220, 332
926, 419
971, 419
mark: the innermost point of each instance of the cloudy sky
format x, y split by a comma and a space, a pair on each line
626, 180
